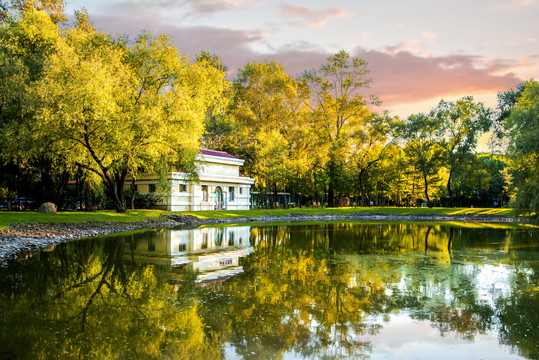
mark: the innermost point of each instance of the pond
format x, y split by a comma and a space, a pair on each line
297, 291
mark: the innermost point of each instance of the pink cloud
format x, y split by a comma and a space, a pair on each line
305, 16
406, 78
398, 76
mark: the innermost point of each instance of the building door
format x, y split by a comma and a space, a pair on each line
220, 203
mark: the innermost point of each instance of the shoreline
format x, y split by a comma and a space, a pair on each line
31, 236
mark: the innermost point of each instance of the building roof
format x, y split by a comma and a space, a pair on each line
217, 153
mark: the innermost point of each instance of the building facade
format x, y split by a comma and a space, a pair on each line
220, 185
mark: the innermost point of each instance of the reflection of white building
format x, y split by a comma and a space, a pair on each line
220, 187
213, 252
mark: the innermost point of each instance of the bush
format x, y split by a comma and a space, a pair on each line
143, 200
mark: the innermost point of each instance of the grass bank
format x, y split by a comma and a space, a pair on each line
12, 217
225, 214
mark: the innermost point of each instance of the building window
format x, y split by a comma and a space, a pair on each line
241, 190
231, 193
204, 192
151, 188
183, 188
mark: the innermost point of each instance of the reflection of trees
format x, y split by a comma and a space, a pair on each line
518, 325
125, 312
304, 290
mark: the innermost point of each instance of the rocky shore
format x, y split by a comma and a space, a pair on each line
21, 237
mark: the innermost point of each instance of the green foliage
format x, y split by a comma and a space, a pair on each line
522, 126
100, 107
77, 103
339, 109
269, 108
10, 9
145, 200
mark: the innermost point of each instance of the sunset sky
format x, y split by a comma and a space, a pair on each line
418, 51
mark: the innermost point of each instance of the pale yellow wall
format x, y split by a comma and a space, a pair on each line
220, 169
142, 188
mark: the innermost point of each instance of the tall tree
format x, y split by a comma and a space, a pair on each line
269, 104
25, 45
462, 123
339, 106
110, 109
522, 128
370, 143
423, 146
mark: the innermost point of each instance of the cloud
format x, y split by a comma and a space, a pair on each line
430, 35
403, 77
193, 7
208, 6
308, 17
399, 76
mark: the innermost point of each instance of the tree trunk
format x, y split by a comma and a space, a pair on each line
61, 188
364, 198
133, 193
331, 195
449, 190
115, 189
427, 190
88, 190
275, 195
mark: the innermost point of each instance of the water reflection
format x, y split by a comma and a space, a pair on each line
304, 291
213, 253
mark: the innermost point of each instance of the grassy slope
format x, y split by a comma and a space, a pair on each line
350, 210
12, 217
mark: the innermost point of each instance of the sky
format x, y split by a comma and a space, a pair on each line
418, 51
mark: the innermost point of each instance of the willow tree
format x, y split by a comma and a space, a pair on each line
26, 42
110, 109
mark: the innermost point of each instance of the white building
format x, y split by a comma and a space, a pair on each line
220, 185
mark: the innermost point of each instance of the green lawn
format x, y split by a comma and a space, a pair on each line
223, 214
12, 217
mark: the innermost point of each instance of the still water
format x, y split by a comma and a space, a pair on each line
324, 291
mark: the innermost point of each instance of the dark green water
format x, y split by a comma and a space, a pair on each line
330, 291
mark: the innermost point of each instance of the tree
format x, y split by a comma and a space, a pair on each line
339, 107
370, 143
269, 104
423, 147
110, 109
462, 123
522, 128
54, 9
25, 45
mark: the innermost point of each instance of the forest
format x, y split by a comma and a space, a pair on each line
80, 111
